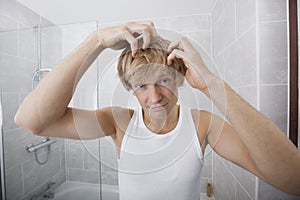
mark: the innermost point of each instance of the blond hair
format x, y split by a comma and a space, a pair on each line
148, 59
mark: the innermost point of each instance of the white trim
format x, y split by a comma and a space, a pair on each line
288, 64
257, 39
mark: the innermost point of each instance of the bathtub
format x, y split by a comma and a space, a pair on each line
86, 191
79, 191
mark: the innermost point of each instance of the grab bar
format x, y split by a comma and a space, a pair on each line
45, 142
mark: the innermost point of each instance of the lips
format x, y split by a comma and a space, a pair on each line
157, 106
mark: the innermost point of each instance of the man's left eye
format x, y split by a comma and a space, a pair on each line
165, 81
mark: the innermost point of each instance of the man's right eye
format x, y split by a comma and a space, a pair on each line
140, 86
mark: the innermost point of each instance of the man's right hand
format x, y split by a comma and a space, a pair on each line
118, 37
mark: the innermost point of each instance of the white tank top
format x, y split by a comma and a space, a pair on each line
160, 166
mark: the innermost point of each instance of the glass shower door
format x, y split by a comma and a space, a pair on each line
2, 189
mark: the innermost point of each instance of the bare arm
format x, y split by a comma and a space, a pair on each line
45, 110
270, 155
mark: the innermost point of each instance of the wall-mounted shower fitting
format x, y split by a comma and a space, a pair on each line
31, 148
38, 75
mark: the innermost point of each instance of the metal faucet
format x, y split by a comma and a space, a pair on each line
49, 194
46, 194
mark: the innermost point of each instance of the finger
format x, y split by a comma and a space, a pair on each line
151, 28
182, 44
173, 45
132, 42
175, 54
146, 39
149, 35
145, 30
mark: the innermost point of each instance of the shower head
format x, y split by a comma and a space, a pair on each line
38, 75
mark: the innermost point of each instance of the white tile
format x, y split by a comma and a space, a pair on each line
7, 23
203, 40
9, 42
267, 192
51, 46
86, 176
207, 166
273, 104
28, 44
70, 40
240, 61
190, 23
245, 180
218, 63
224, 28
218, 10
35, 174
270, 10
19, 12
245, 15
74, 155
15, 142
242, 194
10, 106
226, 184
13, 183
249, 94
273, 53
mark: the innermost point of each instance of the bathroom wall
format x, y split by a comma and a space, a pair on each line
273, 23
82, 156
18, 61
238, 35
235, 55
250, 47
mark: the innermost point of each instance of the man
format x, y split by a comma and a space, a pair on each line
160, 144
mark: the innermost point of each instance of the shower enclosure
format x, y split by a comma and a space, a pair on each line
2, 188
237, 41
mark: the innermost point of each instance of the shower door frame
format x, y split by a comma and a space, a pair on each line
2, 182
293, 84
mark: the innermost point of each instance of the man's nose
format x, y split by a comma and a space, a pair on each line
155, 93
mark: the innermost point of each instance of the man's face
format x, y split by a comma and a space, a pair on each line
157, 93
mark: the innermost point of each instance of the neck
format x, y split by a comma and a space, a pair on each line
162, 125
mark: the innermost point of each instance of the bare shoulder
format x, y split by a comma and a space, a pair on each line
201, 117
122, 117
114, 119
202, 120
119, 118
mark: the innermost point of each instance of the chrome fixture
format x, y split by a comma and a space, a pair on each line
38, 75
40, 72
49, 194
34, 148
45, 194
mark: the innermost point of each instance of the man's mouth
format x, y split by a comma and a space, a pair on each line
157, 107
